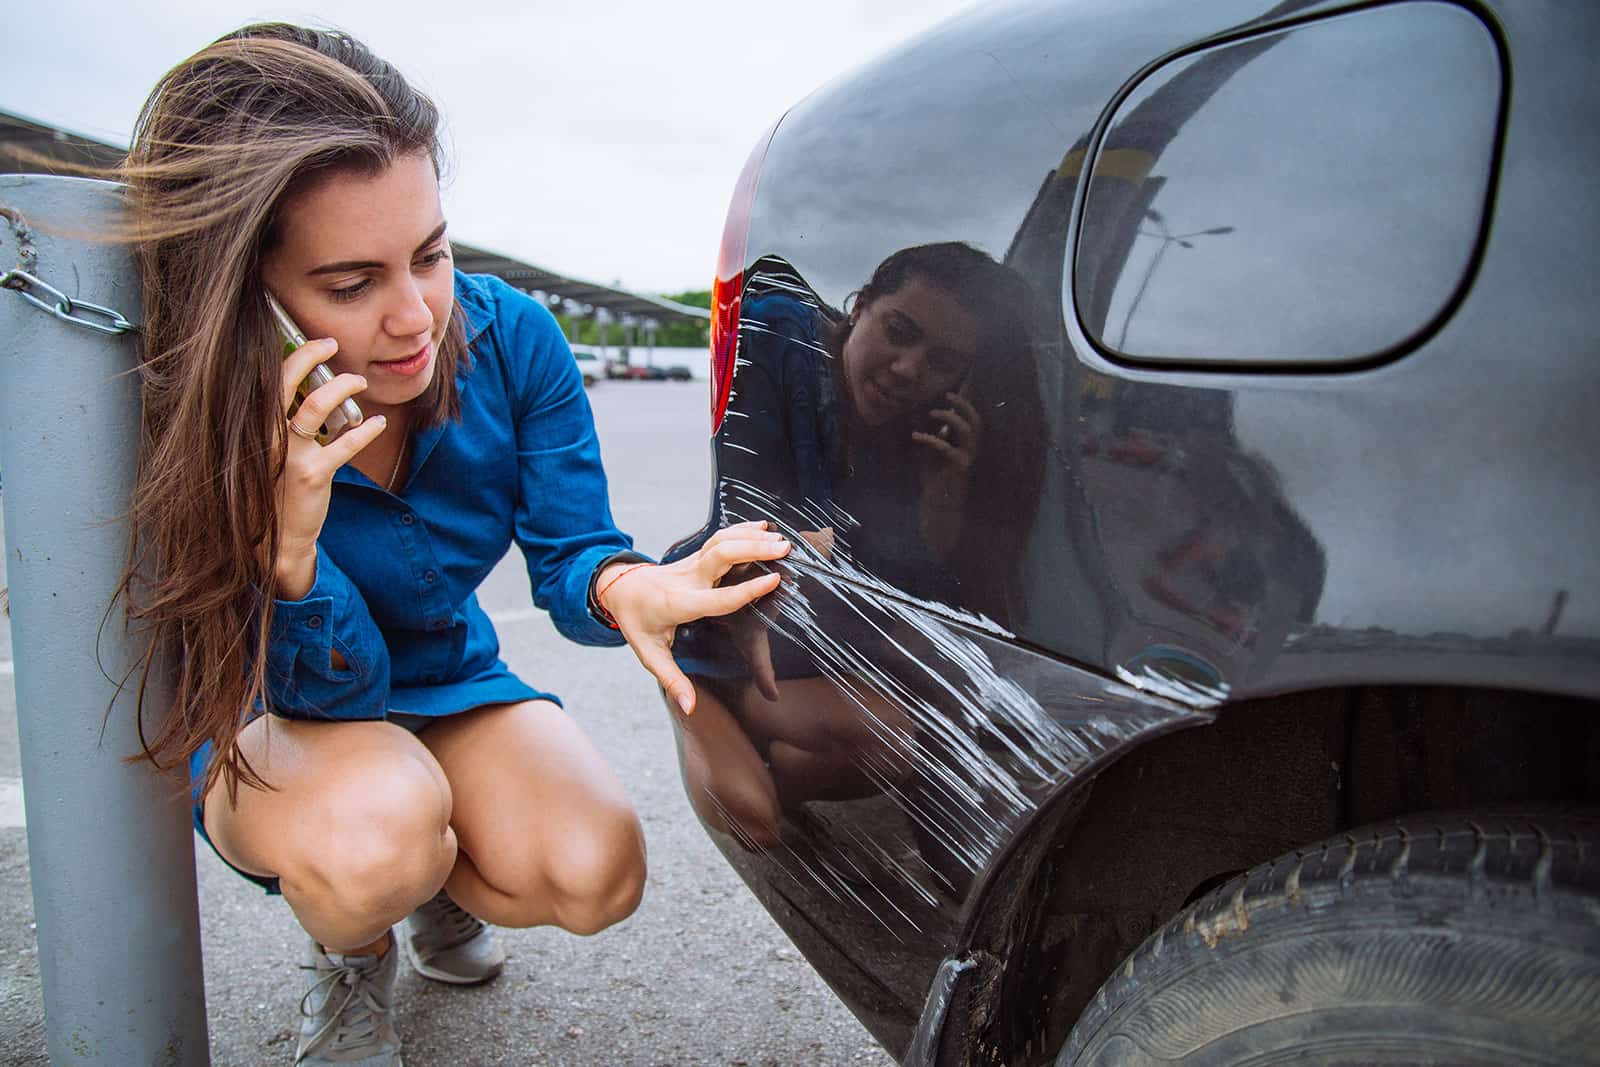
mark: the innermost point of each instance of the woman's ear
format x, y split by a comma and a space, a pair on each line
852, 308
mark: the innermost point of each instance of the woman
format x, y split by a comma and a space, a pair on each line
912, 404
355, 742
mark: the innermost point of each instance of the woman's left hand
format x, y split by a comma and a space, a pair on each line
948, 456
951, 449
651, 602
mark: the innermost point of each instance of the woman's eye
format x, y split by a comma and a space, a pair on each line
350, 292
433, 258
899, 332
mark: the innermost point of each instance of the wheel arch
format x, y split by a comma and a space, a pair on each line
1109, 860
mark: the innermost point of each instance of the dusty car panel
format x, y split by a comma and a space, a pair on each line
1146, 534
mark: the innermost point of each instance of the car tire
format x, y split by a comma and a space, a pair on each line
1472, 938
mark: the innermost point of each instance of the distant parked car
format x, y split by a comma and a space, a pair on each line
652, 373
593, 365
1184, 415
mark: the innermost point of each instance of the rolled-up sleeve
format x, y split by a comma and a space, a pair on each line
563, 517
302, 682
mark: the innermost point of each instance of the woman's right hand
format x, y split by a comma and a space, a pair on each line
307, 480
648, 609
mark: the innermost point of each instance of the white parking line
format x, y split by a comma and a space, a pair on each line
11, 813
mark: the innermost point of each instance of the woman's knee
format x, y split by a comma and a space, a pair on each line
589, 877
736, 798
376, 843
728, 784
877, 737
595, 874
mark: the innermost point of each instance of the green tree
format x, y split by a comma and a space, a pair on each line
687, 333
680, 333
695, 298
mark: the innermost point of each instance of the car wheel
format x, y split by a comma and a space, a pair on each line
1472, 938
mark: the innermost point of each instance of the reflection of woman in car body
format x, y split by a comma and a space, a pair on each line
885, 438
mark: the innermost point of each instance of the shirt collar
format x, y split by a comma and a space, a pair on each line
477, 304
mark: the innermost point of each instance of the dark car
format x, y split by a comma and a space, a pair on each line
1187, 420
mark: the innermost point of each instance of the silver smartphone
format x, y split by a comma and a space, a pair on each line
347, 416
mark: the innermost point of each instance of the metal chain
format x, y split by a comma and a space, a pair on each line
65, 307
59, 304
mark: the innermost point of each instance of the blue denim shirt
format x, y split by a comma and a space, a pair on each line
396, 572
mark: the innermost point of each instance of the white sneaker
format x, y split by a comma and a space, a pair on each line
347, 1011
447, 943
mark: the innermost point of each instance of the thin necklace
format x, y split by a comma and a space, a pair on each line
395, 473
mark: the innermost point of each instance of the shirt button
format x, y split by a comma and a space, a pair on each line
437, 624
315, 622
406, 518
430, 577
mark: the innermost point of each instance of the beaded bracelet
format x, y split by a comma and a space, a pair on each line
599, 597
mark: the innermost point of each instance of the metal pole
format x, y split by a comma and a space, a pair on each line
109, 843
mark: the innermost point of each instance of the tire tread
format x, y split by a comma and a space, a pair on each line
1526, 870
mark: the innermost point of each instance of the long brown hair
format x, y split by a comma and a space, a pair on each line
226, 139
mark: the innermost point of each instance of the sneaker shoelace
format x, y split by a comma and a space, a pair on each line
354, 1023
449, 923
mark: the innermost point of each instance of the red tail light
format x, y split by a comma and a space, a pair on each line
729, 283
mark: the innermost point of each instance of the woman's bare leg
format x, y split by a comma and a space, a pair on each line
727, 781
547, 834
356, 827
824, 744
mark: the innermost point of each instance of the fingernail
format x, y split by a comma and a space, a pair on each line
685, 703
381, 420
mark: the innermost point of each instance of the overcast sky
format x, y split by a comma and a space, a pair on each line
600, 140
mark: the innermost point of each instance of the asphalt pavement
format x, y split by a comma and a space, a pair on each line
699, 975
